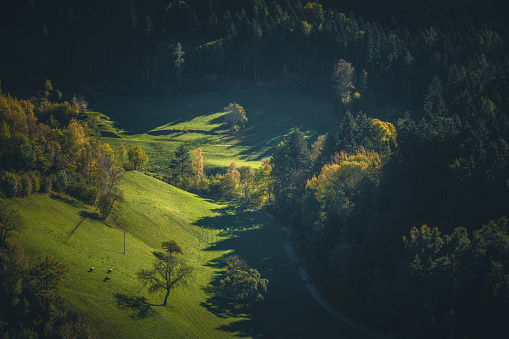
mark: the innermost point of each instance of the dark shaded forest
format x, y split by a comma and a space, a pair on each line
403, 213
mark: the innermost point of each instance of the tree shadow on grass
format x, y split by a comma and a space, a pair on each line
158, 255
216, 303
231, 220
139, 307
90, 215
67, 200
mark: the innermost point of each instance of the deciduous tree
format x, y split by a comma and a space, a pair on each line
137, 158
343, 80
198, 165
168, 272
230, 182
244, 286
236, 116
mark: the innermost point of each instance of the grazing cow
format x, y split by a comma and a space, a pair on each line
91, 269
107, 279
110, 270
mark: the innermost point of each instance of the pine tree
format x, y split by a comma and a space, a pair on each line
181, 165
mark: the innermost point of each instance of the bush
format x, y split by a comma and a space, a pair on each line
9, 184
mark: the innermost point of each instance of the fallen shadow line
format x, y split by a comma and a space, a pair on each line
75, 228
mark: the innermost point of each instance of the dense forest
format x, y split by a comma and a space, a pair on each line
402, 214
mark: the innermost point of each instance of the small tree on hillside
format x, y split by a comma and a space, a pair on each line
244, 286
137, 159
236, 117
168, 271
198, 165
181, 165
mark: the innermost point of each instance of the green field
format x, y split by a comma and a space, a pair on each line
190, 119
207, 230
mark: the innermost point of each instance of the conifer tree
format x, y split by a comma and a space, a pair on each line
179, 61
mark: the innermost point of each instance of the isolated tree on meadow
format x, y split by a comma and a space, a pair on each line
168, 272
236, 116
137, 158
243, 284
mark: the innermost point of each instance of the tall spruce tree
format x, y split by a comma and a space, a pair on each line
181, 165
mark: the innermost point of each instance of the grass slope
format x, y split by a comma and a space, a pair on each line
207, 230
271, 116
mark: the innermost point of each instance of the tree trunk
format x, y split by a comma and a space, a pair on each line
166, 297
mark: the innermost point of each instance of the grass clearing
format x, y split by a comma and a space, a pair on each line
271, 116
207, 230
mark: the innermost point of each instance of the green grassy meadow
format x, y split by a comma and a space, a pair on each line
207, 230
159, 126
